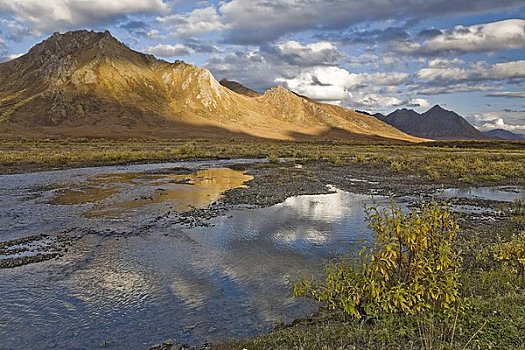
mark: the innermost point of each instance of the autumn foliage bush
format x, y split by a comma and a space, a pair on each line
412, 267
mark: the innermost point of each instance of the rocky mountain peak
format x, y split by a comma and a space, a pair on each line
62, 45
436, 123
279, 91
74, 57
437, 108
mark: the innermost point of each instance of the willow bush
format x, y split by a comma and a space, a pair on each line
507, 255
412, 267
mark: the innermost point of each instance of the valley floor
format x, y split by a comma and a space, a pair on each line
493, 312
455, 161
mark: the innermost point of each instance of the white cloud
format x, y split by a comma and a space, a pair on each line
199, 21
507, 34
16, 31
443, 69
3, 51
498, 71
331, 83
387, 79
391, 60
442, 74
276, 63
478, 71
155, 34
373, 101
512, 121
434, 88
323, 83
405, 47
162, 50
52, 15
499, 123
444, 63
418, 102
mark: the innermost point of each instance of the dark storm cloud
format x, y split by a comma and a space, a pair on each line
45, 16
248, 68
317, 82
296, 54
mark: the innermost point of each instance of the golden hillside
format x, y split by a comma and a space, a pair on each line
89, 84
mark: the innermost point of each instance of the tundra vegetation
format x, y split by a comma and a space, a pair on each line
460, 162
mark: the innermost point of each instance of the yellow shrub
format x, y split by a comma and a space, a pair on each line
412, 267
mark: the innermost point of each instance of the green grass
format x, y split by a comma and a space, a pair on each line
496, 323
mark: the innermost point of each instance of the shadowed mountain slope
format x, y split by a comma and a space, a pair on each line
239, 88
501, 134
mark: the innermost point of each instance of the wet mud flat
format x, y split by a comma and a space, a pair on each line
132, 256
273, 183
32, 249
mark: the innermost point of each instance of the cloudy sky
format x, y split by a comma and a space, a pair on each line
374, 55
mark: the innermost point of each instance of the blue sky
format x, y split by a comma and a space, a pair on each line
374, 55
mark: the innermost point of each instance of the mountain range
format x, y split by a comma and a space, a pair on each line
88, 84
437, 123
440, 124
501, 134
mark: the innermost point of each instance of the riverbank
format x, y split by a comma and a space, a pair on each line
464, 162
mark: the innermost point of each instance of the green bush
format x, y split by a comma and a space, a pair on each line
412, 267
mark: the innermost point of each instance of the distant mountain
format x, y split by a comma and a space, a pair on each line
88, 84
377, 115
501, 134
402, 119
239, 88
436, 123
